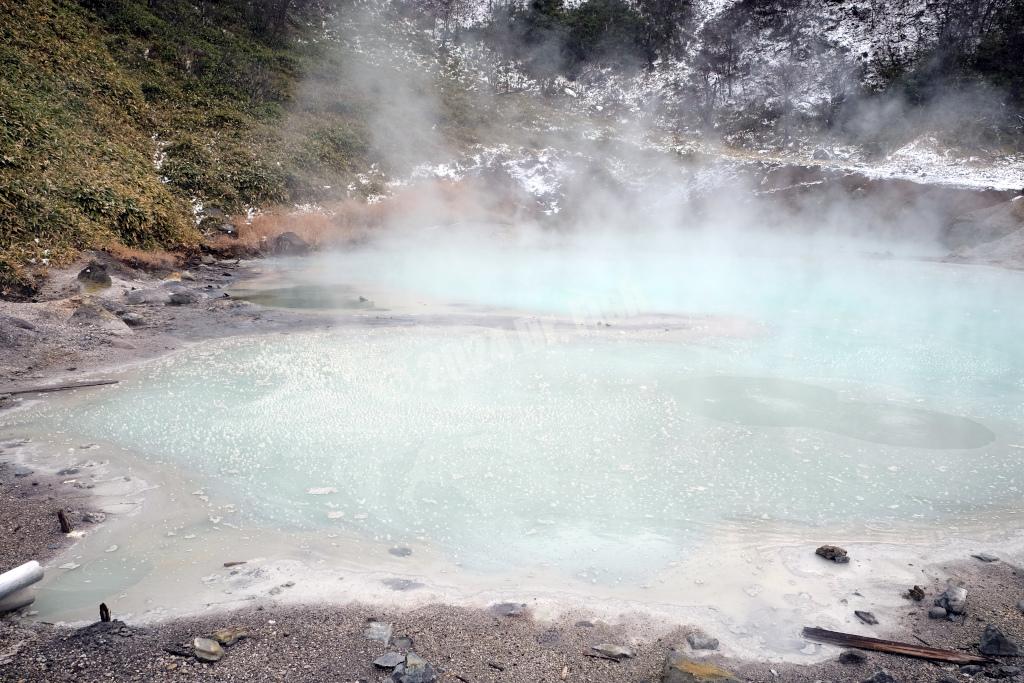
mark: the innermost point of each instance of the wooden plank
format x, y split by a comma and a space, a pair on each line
61, 387
892, 647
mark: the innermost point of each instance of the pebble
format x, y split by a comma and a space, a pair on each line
834, 553
400, 551
230, 635
954, 599
852, 657
867, 617
207, 650
699, 642
389, 660
916, 593
402, 643
882, 676
937, 613
985, 557
612, 651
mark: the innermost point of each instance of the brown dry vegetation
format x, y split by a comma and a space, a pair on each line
153, 260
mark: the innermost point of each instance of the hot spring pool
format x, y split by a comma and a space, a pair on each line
499, 431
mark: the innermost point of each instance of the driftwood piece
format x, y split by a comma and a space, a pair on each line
892, 647
65, 523
62, 387
104, 612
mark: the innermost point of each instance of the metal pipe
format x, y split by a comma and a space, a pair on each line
15, 586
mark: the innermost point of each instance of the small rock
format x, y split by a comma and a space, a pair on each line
1020, 605
509, 609
230, 635
389, 660
971, 669
985, 557
400, 551
94, 276
402, 584
916, 594
155, 295
1003, 671
681, 669
378, 630
68, 471
882, 676
415, 669
207, 260
290, 244
852, 657
207, 650
188, 276
89, 314
867, 617
402, 643
954, 599
610, 651
699, 642
94, 517
994, 643
834, 553
937, 613
22, 471
131, 318
7, 401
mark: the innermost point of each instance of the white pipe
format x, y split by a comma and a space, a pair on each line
14, 585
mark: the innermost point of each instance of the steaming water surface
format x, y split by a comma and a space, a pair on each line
601, 417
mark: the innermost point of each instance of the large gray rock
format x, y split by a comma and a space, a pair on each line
15, 332
953, 599
154, 295
94, 276
681, 669
995, 643
290, 244
834, 553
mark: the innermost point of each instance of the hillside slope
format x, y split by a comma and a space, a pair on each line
120, 118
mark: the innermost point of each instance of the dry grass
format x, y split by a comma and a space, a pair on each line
154, 260
351, 221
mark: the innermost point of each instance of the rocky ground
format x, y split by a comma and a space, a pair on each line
76, 327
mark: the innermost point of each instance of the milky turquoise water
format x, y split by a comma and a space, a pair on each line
857, 392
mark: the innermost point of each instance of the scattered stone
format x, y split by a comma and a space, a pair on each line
94, 276
68, 471
415, 669
700, 642
995, 643
971, 669
21, 471
953, 599
183, 297
402, 584
207, 650
94, 517
616, 653
7, 401
89, 314
389, 660
937, 613
178, 650
867, 617
681, 669
155, 295
1003, 671
509, 609
882, 676
402, 643
916, 594
290, 244
230, 635
584, 624
226, 228
378, 630
834, 553
985, 557
852, 657
400, 551
131, 318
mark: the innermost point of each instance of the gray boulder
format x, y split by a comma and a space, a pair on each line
290, 244
15, 332
415, 669
155, 295
702, 642
89, 314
